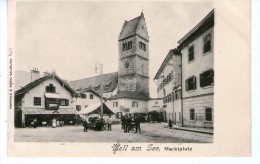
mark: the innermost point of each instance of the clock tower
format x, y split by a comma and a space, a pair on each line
133, 63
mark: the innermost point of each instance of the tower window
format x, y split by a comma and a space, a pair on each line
142, 46
127, 46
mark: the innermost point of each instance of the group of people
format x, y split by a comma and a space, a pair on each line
100, 124
131, 123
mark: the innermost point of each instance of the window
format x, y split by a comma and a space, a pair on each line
83, 95
207, 78
91, 96
191, 53
190, 83
207, 43
134, 104
192, 114
50, 89
208, 114
142, 46
37, 101
115, 104
64, 102
127, 46
78, 107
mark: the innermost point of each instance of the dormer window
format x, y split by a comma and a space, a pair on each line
50, 89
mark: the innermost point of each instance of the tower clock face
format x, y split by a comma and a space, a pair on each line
127, 64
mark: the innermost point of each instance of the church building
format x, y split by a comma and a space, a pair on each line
127, 91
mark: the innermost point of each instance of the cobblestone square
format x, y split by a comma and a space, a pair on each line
150, 132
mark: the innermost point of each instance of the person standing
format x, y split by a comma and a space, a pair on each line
137, 124
109, 123
85, 125
170, 123
35, 122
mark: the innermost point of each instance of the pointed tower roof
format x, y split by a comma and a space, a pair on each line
129, 27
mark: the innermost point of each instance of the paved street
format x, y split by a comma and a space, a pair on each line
151, 132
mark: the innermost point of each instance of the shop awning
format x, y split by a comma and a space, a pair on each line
96, 109
33, 111
52, 95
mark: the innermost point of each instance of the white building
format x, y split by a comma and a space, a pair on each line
45, 98
168, 80
197, 49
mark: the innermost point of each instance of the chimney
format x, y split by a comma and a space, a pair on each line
35, 74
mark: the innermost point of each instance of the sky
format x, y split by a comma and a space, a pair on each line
70, 37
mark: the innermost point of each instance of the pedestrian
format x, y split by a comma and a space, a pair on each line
85, 125
123, 121
137, 124
128, 124
35, 122
170, 123
109, 124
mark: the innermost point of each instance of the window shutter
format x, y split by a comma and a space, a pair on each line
201, 80
212, 76
194, 83
186, 85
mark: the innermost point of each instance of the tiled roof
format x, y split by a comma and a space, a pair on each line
129, 28
35, 83
110, 81
129, 94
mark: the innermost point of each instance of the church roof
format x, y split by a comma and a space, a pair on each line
129, 28
129, 94
35, 83
110, 81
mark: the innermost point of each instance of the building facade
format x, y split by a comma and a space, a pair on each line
45, 98
168, 80
86, 98
197, 49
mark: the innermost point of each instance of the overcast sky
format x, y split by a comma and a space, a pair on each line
70, 37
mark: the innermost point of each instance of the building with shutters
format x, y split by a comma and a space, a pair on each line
45, 98
197, 49
185, 79
168, 79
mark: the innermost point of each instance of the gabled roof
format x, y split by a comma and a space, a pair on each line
166, 60
129, 94
129, 27
110, 81
203, 25
35, 83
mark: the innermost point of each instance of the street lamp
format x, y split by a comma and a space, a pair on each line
99, 69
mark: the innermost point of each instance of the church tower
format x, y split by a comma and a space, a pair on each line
133, 63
